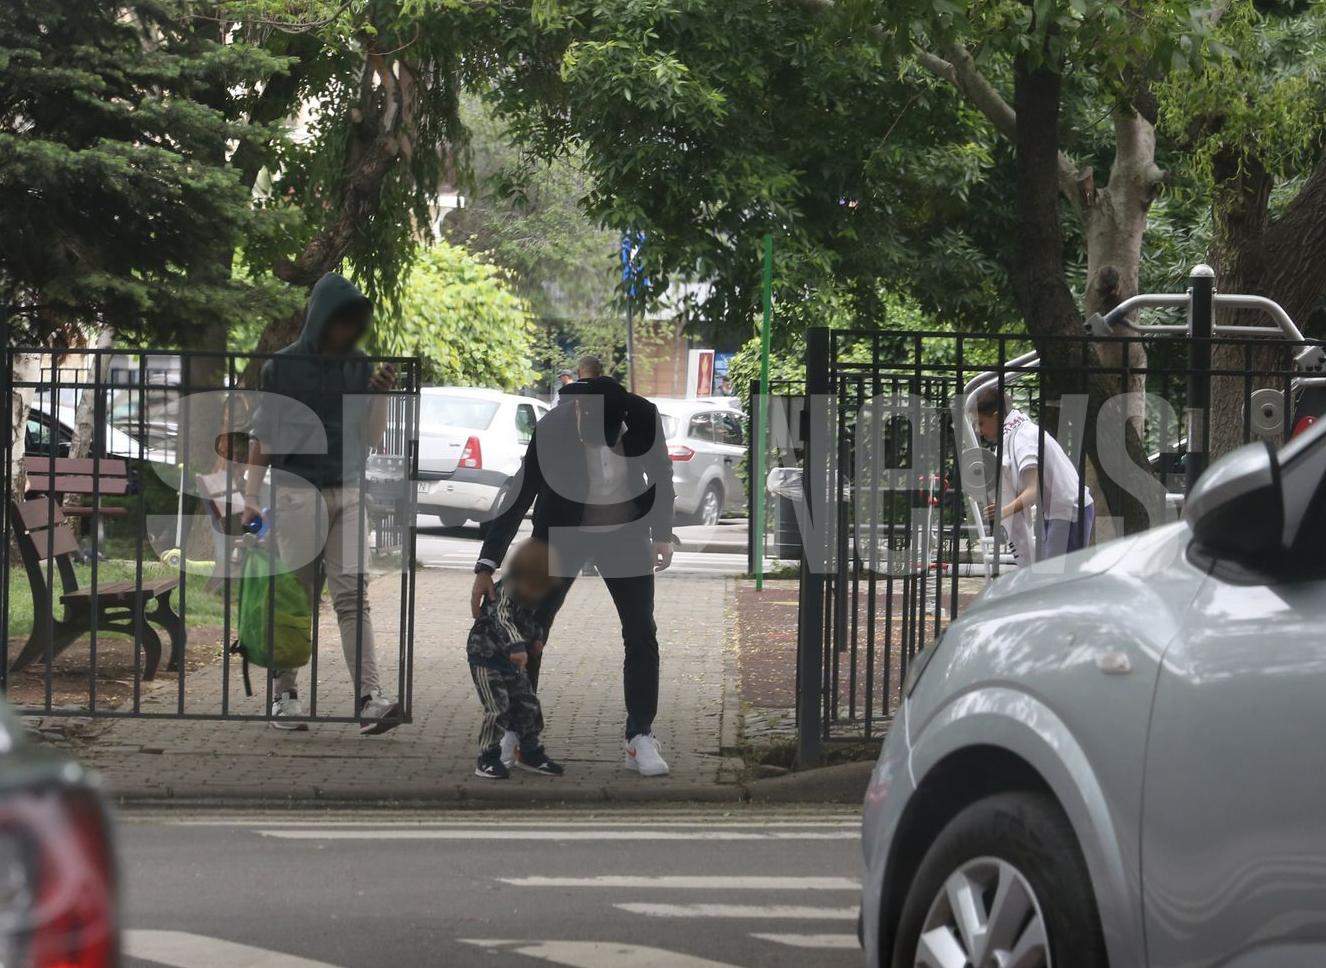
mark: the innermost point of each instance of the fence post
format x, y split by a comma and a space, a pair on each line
1202, 289
810, 613
753, 503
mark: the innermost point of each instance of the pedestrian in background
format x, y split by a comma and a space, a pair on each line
1053, 483
563, 378
313, 426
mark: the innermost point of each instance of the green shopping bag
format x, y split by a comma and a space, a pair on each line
275, 620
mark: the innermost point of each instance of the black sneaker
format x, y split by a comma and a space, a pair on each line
491, 768
538, 762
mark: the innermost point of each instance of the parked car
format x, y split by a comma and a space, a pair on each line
471, 442
1115, 757
47, 437
58, 902
706, 441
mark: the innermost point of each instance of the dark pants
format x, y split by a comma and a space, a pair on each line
1061, 537
508, 703
625, 561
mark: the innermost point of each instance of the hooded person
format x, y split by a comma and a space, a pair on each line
320, 410
597, 474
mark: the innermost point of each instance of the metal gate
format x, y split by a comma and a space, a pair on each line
897, 481
120, 593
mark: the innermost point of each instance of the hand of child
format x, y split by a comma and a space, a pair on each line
519, 659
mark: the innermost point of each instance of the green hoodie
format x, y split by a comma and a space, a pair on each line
320, 434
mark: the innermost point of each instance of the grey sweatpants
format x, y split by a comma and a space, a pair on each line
326, 541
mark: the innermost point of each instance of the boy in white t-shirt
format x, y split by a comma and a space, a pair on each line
1058, 485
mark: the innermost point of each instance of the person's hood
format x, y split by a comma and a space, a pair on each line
331, 294
615, 400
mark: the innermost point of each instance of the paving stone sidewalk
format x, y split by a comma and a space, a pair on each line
432, 757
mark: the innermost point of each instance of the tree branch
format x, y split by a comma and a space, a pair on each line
960, 70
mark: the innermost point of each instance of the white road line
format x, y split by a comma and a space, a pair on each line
701, 883
844, 823
753, 911
597, 954
179, 949
595, 835
812, 940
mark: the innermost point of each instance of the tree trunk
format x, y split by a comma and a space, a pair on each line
1044, 298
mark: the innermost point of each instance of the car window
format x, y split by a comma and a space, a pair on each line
728, 430
702, 427
470, 413
670, 426
525, 421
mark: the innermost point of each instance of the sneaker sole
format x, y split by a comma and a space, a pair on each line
489, 776
633, 765
376, 727
290, 727
534, 770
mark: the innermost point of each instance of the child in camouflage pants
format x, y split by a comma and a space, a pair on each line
505, 634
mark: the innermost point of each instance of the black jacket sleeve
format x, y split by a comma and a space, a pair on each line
658, 472
525, 486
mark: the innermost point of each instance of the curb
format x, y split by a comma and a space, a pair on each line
833, 784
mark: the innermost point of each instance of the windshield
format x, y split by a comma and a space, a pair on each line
467, 412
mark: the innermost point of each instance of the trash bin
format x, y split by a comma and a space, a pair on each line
784, 484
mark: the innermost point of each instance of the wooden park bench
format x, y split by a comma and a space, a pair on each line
56, 477
122, 606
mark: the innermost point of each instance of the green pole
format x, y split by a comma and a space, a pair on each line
762, 406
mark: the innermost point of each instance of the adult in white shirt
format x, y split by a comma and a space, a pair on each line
1036, 471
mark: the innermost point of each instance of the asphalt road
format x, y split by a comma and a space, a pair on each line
440, 547
712, 888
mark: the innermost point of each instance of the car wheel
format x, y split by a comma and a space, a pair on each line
1003, 884
452, 519
711, 506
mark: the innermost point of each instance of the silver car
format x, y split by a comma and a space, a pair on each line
1117, 757
706, 441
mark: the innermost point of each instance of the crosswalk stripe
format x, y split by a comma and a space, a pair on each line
697, 883
593, 835
597, 954
179, 949
834, 822
812, 940
773, 911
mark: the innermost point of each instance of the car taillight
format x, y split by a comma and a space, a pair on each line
472, 455
680, 452
1302, 425
63, 914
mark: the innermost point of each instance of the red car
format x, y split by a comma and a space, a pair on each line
57, 871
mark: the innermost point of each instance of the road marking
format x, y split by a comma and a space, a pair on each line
597, 954
702, 883
772, 911
596, 835
179, 949
812, 940
837, 823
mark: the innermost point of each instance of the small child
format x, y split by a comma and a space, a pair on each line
505, 634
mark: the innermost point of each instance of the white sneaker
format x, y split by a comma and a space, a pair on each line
378, 714
642, 755
510, 742
284, 707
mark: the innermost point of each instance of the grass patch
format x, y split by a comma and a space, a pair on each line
205, 607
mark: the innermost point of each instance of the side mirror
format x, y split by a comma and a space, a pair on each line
1237, 508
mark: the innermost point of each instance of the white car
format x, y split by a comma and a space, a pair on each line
706, 441
471, 442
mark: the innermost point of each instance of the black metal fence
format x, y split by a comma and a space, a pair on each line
900, 480
127, 538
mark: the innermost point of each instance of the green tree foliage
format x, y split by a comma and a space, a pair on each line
114, 189
461, 317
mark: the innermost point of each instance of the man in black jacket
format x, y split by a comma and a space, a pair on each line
598, 476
